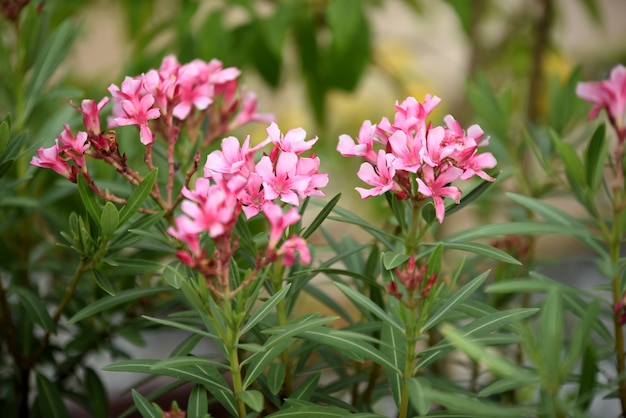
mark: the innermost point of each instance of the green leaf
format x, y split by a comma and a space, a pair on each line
393, 347
179, 325
349, 342
306, 388
309, 412
265, 309
276, 377
197, 405
50, 399
102, 281
481, 249
343, 19
259, 360
552, 337
474, 407
50, 57
252, 398
321, 216
595, 158
461, 295
573, 165
370, 306
419, 389
391, 259
209, 377
35, 309
145, 408
507, 384
138, 197
581, 336
184, 363
496, 363
588, 378
4, 136
96, 394
120, 298
186, 346
88, 198
172, 274
109, 220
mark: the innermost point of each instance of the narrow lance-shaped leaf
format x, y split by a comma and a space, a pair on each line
138, 197
145, 408
197, 405
109, 219
253, 399
595, 158
109, 302
89, 199
321, 216
97, 395
265, 309
35, 309
370, 306
461, 295
49, 399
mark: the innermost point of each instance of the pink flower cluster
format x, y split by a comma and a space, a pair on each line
609, 95
155, 100
415, 159
234, 182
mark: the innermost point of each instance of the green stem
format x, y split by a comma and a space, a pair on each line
235, 369
412, 332
281, 312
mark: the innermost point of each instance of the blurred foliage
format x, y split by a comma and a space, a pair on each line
513, 95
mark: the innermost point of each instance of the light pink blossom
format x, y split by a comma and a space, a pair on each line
91, 113
609, 95
407, 150
50, 158
135, 108
279, 221
380, 177
248, 112
292, 245
232, 158
74, 147
293, 141
364, 146
282, 181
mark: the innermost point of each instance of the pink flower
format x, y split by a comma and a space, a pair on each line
135, 108
248, 112
435, 150
186, 230
364, 147
411, 115
380, 177
406, 149
74, 146
282, 182
211, 208
437, 187
232, 159
279, 221
194, 89
289, 248
609, 95
308, 167
49, 158
91, 113
252, 196
293, 141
